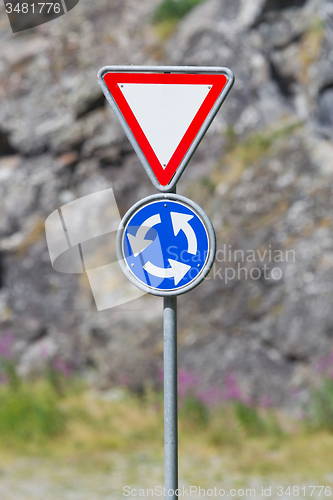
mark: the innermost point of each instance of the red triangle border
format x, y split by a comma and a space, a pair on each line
217, 82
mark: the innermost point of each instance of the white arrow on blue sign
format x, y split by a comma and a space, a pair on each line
166, 244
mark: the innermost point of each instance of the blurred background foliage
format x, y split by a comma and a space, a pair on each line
59, 413
173, 9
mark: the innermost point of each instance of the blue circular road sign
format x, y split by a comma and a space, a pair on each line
166, 244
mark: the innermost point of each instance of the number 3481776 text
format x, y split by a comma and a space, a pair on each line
40, 8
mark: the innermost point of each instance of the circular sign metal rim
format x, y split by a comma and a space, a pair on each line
208, 252
211, 240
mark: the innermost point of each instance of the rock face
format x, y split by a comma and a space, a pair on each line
262, 174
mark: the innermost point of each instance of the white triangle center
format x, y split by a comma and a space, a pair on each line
164, 112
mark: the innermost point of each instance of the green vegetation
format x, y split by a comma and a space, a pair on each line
194, 412
168, 13
242, 154
29, 414
320, 412
207, 183
60, 418
173, 10
250, 419
83, 425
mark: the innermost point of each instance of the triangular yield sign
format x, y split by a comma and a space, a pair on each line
165, 112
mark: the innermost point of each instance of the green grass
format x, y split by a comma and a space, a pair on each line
29, 414
194, 412
173, 10
81, 426
319, 415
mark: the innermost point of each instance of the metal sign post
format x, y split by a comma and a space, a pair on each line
170, 369
170, 397
166, 243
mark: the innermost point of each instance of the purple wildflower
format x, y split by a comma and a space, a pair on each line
61, 366
160, 375
6, 345
44, 352
266, 401
211, 396
124, 380
4, 379
231, 390
187, 382
325, 363
294, 392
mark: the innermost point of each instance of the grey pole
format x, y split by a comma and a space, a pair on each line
170, 398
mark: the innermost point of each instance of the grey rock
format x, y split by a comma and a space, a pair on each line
263, 174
